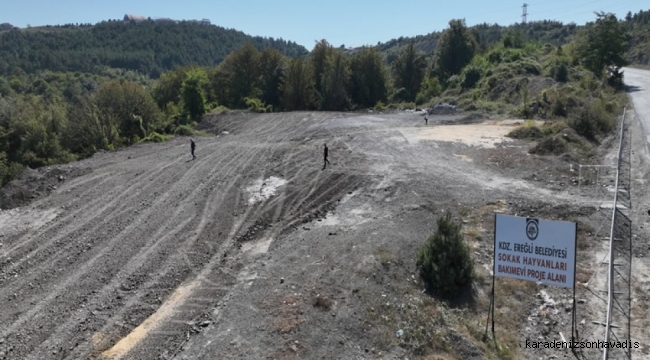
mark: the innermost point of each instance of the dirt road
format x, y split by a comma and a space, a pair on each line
638, 83
148, 254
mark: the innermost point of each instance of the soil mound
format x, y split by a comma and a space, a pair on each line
32, 184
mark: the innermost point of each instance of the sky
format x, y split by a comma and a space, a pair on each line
341, 22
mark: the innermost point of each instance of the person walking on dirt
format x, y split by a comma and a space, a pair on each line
192, 146
325, 162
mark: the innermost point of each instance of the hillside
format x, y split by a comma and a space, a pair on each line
638, 30
147, 47
546, 32
552, 32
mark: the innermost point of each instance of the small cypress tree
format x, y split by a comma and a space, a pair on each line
444, 260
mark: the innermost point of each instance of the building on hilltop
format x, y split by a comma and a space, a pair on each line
163, 20
202, 22
136, 18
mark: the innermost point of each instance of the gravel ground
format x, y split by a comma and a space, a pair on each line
253, 250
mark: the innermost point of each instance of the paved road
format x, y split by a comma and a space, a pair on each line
638, 82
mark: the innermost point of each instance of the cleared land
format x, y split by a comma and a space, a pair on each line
252, 250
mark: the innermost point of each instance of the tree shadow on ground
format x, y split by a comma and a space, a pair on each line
632, 88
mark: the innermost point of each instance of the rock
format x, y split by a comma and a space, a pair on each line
581, 301
281, 280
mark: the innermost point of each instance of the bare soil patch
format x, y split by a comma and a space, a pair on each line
274, 256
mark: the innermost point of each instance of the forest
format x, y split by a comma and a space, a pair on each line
148, 47
67, 92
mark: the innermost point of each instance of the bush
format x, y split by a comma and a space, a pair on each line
593, 119
257, 105
155, 137
444, 261
184, 130
526, 132
561, 72
471, 76
558, 108
550, 145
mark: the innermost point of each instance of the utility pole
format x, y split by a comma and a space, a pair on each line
524, 13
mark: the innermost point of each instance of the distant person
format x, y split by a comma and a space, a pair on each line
193, 147
426, 119
325, 153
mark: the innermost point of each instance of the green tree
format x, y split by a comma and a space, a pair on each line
319, 57
408, 72
444, 261
89, 129
334, 95
513, 38
455, 49
168, 87
297, 85
271, 67
369, 78
130, 105
240, 74
602, 47
193, 94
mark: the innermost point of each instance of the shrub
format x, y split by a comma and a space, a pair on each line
380, 106
257, 105
561, 72
471, 76
558, 108
583, 125
184, 130
526, 132
444, 261
550, 145
155, 137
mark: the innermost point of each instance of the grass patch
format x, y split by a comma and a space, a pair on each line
184, 130
289, 316
156, 137
473, 233
384, 256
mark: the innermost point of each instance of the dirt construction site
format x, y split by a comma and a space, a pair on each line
254, 251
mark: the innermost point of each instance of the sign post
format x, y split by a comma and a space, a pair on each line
535, 250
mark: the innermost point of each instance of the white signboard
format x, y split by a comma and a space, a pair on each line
535, 249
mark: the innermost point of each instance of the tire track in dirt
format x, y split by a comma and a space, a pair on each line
251, 213
100, 213
153, 225
36, 308
136, 336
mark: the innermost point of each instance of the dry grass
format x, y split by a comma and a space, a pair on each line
384, 256
289, 315
473, 233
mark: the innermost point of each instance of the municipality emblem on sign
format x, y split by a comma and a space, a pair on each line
532, 228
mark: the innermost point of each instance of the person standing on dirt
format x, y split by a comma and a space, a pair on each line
193, 147
426, 119
325, 152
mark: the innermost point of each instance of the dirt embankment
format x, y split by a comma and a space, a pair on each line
253, 250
